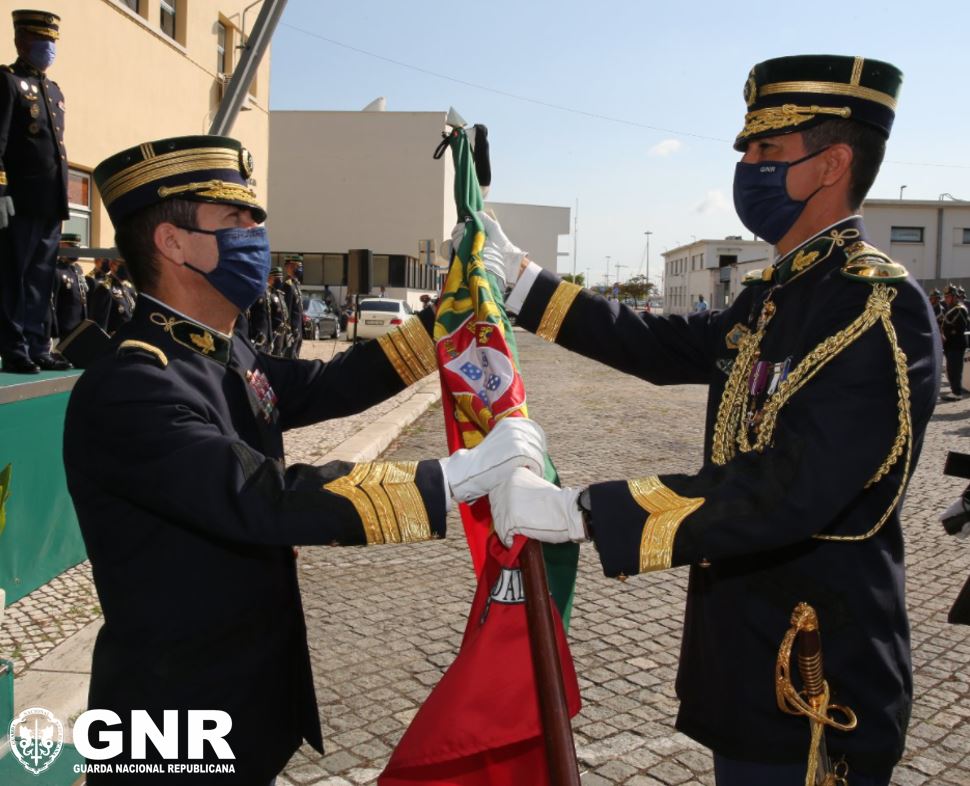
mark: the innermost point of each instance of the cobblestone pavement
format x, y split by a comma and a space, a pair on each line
37, 623
385, 622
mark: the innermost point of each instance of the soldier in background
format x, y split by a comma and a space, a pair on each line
113, 300
69, 303
279, 317
260, 330
101, 268
293, 265
953, 326
936, 305
33, 194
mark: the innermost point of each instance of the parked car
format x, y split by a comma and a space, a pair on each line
318, 320
377, 317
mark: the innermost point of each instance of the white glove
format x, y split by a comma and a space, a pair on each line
525, 504
500, 254
512, 444
956, 518
449, 245
6, 210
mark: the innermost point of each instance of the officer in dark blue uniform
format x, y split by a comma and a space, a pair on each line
173, 447
70, 299
101, 268
954, 325
823, 374
293, 269
260, 323
279, 314
33, 194
112, 301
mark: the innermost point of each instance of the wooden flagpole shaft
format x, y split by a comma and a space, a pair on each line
553, 710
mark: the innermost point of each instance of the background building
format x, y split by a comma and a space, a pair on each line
534, 228
136, 70
931, 238
367, 180
712, 268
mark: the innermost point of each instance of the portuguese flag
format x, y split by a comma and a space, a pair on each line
481, 724
478, 362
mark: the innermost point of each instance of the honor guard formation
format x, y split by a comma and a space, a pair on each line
822, 375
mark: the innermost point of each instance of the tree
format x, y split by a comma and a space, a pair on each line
579, 279
638, 288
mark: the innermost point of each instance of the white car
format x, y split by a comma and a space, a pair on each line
377, 317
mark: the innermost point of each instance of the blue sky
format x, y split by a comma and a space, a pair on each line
655, 90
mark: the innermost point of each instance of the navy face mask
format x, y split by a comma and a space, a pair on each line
40, 54
244, 257
761, 197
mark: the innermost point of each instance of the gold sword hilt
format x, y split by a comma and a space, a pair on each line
812, 701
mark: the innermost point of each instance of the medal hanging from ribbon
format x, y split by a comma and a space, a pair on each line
263, 394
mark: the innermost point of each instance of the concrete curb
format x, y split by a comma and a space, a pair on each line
368, 443
59, 681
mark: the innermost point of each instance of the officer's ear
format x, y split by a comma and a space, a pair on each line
169, 242
838, 163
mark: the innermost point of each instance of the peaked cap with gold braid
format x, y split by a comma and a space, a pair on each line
789, 94
213, 169
39, 23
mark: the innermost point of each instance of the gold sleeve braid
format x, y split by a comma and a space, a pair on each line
667, 511
410, 350
556, 310
387, 500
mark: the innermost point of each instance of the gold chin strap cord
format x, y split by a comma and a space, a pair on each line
812, 701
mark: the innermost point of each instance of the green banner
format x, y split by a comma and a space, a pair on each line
41, 538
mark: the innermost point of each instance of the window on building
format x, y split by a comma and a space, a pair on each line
132, 4
167, 20
79, 205
906, 235
222, 60
966, 236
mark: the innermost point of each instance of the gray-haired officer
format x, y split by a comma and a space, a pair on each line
33, 194
173, 447
70, 299
823, 375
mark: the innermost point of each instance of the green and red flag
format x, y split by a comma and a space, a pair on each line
481, 724
479, 365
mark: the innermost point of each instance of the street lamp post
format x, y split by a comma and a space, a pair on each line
648, 233
901, 189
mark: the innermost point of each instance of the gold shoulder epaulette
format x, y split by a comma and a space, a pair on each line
131, 346
867, 263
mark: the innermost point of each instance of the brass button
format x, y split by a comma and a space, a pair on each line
704, 563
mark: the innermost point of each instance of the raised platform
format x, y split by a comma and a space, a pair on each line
19, 387
41, 537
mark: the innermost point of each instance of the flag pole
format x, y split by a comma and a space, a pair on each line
557, 732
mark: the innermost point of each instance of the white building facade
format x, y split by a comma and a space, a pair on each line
344, 181
931, 238
712, 269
